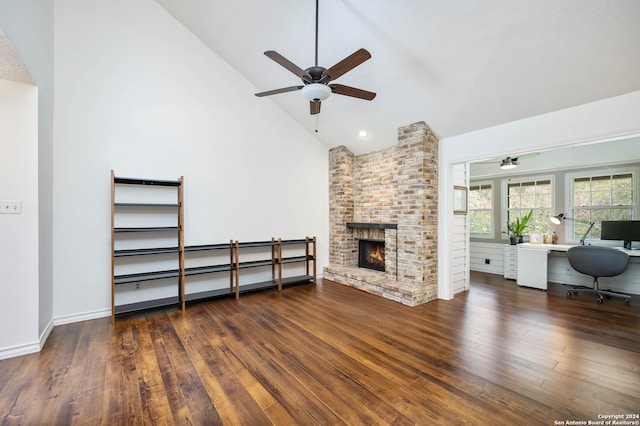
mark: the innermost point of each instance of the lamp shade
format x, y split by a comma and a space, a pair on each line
557, 219
316, 92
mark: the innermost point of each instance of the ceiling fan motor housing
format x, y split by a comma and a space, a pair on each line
315, 73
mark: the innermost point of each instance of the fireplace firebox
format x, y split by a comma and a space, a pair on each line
371, 254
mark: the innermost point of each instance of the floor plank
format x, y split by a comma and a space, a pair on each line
328, 354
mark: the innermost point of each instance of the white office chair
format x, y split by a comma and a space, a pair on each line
598, 261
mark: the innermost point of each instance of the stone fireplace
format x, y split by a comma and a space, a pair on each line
387, 196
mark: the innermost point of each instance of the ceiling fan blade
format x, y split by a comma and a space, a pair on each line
525, 156
288, 65
352, 91
314, 107
345, 65
276, 91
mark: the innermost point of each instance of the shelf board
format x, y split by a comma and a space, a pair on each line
147, 229
208, 294
258, 244
247, 288
208, 247
137, 181
297, 279
295, 259
255, 264
206, 269
146, 276
146, 251
274, 283
146, 204
291, 242
270, 284
147, 304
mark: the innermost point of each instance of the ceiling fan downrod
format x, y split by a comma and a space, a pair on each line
317, 2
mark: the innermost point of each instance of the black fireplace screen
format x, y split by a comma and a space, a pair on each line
371, 254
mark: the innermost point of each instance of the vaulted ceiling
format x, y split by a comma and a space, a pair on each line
457, 65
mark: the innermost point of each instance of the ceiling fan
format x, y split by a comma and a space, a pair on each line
511, 162
315, 80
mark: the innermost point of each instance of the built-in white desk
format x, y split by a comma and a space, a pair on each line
533, 260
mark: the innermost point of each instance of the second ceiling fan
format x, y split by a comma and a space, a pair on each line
315, 80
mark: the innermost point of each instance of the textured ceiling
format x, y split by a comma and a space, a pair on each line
457, 65
11, 65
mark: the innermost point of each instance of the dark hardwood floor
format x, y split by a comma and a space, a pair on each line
329, 354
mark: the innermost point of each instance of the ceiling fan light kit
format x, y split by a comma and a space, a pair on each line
315, 79
316, 92
508, 163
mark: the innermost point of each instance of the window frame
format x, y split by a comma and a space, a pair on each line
491, 235
504, 183
590, 173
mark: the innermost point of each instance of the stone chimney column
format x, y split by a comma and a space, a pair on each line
342, 245
417, 205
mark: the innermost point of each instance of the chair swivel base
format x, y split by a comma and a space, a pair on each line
599, 293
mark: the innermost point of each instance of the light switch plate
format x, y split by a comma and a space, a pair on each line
10, 206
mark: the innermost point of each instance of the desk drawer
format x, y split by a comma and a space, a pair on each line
510, 262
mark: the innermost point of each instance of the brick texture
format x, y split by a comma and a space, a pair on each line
343, 246
394, 185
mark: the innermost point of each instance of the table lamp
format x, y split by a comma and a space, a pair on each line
557, 220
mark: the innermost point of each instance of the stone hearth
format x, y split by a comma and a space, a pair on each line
389, 195
377, 283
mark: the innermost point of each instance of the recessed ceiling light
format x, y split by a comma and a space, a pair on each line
362, 133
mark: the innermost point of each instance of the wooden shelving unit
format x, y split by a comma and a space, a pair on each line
309, 259
137, 234
271, 246
272, 259
211, 269
132, 245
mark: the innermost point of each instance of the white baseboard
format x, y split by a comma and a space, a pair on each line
34, 347
45, 333
85, 316
19, 350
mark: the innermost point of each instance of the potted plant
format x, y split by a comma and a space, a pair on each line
516, 228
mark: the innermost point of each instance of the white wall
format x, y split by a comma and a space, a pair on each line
480, 251
29, 25
609, 118
137, 93
459, 253
19, 232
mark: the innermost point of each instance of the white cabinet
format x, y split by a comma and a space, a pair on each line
510, 262
532, 267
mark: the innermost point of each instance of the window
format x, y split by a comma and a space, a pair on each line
602, 196
481, 210
536, 195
